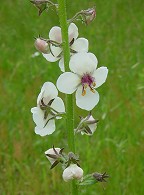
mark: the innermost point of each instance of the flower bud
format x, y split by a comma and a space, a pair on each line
90, 15
41, 46
72, 172
40, 4
51, 152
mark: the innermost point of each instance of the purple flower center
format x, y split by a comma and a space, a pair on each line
87, 81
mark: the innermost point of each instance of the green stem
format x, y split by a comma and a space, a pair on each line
69, 98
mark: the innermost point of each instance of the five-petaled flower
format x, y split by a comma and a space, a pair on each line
49, 107
83, 79
76, 44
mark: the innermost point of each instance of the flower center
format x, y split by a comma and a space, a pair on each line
88, 81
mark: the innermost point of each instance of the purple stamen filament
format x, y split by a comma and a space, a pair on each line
87, 81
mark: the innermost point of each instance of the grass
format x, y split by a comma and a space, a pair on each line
117, 146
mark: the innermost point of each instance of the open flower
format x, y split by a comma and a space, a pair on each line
76, 44
83, 79
49, 107
72, 172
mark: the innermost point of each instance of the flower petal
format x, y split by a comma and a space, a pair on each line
38, 116
72, 32
47, 130
56, 51
58, 105
80, 45
68, 82
50, 58
82, 63
55, 34
100, 75
61, 64
48, 92
88, 101
41, 128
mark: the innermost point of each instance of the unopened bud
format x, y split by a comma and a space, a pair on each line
41, 46
72, 172
90, 15
40, 4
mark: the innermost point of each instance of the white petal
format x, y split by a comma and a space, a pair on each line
56, 51
51, 151
88, 101
55, 34
68, 82
100, 76
61, 64
80, 45
38, 116
72, 31
82, 63
58, 105
48, 92
50, 58
47, 130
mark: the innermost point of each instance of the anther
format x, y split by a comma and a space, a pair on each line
94, 84
83, 91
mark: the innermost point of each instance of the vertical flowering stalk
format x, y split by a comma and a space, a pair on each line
69, 98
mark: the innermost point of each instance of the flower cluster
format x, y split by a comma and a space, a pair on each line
83, 79
69, 163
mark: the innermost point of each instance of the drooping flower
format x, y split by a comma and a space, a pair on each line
52, 154
72, 172
49, 107
76, 44
83, 79
89, 15
87, 125
55, 156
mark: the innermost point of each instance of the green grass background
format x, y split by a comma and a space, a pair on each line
116, 38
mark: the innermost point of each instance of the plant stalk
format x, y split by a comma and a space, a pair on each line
69, 98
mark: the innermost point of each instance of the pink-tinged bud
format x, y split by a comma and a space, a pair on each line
41, 46
51, 151
72, 172
90, 15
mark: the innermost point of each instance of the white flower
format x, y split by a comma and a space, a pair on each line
83, 79
87, 125
72, 172
76, 44
52, 151
49, 107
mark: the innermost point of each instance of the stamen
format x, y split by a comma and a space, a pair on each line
92, 90
94, 84
83, 91
88, 81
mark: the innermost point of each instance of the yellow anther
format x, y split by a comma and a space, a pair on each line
83, 92
85, 86
92, 90
94, 84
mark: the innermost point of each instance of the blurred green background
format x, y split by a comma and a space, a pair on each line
117, 146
